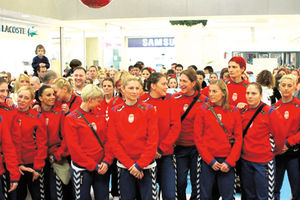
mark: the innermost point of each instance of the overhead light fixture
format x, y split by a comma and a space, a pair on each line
25, 16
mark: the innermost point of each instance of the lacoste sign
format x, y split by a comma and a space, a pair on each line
30, 31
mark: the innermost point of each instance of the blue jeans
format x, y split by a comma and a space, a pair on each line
146, 186
83, 180
225, 181
258, 180
166, 177
187, 159
291, 164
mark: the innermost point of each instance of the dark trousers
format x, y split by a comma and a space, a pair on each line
187, 160
113, 171
84, 180
5, 181
36, 188
225, 181
1, 188
166, 177
146, 186
291, 165
258, 180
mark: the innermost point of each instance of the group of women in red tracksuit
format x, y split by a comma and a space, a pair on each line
154, 138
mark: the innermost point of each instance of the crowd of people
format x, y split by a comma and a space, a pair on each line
139, 129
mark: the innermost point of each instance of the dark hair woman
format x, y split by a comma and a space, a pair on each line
185, 151
218, 137
262, 140
11, 175
168, 127
57, 148
266, 80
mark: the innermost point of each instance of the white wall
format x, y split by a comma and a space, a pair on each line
17, 51
75, 10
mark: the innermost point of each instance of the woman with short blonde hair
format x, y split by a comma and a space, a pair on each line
89, 146
91, 91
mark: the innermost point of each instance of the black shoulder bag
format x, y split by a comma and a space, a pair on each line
252, 119
230, 137
101, 144
190, 107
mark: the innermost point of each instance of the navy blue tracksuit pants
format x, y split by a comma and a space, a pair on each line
187, 159
291, 164
84, 180
166, 177
36, 188
146, 186
225, 181
258, 179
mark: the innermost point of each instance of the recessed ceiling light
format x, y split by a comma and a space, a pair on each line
25, 16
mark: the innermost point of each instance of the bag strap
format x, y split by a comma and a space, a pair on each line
253, 117
73, 100
219, 121
96, 135
190, 106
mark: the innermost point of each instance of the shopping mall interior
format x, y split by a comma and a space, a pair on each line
264, 32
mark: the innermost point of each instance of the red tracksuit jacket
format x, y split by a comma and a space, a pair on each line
205, 91
134, 133
291, 120
237, 91
258, 145
31, 144
56, 138
8, 149
117, 100
181, 102
84, 148
168, 122
74, 102
210, 138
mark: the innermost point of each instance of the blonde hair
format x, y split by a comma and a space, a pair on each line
91, 91
120, 76
131, 78
62, 82
223, 88
27, 88
17, 84
291, 77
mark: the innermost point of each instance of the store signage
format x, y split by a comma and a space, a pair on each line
151, 42
30, 32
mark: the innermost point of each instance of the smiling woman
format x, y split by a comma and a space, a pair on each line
30, 144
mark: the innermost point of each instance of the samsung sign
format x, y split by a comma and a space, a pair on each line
151, 42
